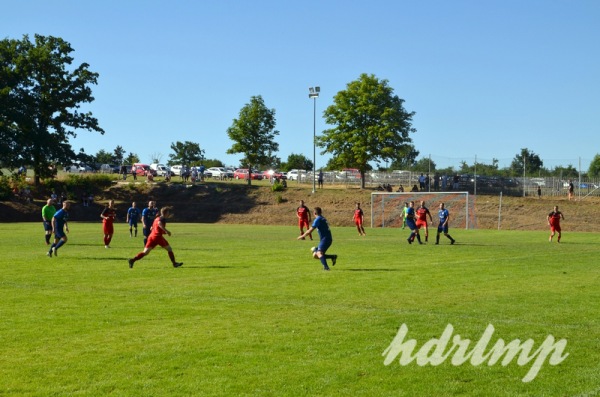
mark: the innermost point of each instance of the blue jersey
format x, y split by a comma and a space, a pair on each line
61, 217
149, 214
134, 214
322, 226
443, 214
410, 213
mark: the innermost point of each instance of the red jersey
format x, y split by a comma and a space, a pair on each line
422, 214
303, 212
110, 215
157, 231
554, 218
358, 214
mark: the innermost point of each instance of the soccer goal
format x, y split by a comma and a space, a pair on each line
387, 207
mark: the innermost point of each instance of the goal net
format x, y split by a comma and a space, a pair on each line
387, 207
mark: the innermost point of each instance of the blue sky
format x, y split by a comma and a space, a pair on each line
485, 78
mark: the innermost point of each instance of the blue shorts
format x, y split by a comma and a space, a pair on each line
411, 224
58, 234
47, 226
133, 223
146, 231
442, 229
324, 245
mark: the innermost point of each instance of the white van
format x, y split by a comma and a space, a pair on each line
161, 169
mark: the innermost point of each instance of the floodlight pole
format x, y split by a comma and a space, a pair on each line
313, 92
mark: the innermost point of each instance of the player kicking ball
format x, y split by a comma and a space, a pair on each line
159, 229
320, 223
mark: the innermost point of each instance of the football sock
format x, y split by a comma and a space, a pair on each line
324, 261
419, 238
172, 256
447, 235
139, 256
60, 244
48, 239
437, 239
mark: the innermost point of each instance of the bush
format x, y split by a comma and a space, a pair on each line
5, 189
277, 187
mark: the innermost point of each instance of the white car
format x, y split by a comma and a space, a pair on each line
161, 170
176, 170
220, 172
294, 174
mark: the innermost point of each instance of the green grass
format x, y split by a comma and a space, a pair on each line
250, 313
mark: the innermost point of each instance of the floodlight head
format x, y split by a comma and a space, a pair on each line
317, 89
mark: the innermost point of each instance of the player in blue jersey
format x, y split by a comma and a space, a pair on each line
320, 223
444, 216
133, 216
148, 215
410, 217
59, 226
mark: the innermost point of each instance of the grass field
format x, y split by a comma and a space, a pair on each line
250, 313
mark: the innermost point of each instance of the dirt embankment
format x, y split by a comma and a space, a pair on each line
241, 204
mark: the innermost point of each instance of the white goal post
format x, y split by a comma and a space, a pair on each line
387, 207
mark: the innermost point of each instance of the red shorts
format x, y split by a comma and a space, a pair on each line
358, 222
554, 228
303, 223
108, 228
421, 223
153, 241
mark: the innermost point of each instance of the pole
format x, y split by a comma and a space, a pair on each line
314, 143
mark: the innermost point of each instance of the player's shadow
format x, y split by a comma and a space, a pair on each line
370, 270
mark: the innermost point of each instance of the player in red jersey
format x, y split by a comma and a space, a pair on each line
159, 228
359, 218
108, 216
303, 214
422, 213
554, 222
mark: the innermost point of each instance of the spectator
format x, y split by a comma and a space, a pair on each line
134, 172
320, 179
455, 182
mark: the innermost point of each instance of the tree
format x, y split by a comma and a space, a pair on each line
532, 162
253, 134
119, 154
424, 164
156, 157
103, 157
594, 170
370, 122
299, 162
40, 97
405, 160
185, 153
132, 158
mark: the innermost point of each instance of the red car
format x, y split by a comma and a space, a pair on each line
274, 174
242, 173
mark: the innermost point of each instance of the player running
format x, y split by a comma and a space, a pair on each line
422, 213
359, 218
444, 216
326, 239
108, 216
159, 228
404, 215
410, 222
554, 222
59, 225
133, 215
303, 214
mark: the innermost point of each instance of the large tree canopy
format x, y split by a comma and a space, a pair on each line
186, 153
528, 159
253, 134
370, 124
40, 98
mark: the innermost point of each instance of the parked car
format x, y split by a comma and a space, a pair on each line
141, 169
293, 175
78, 168
177, 169
220, 172
274, 174
160, 169
242, 173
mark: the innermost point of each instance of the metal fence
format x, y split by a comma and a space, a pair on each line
408, 180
